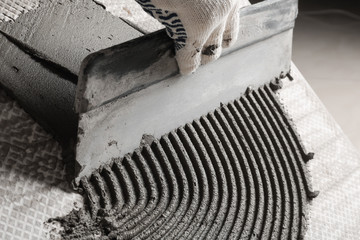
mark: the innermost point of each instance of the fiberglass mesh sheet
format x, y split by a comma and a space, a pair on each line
335, 169
32, 176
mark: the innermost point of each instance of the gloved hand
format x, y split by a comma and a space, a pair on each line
200, 28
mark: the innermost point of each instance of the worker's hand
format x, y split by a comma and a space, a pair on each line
200, 28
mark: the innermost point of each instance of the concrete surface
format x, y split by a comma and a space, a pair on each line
335, 169
26, 203
10, 10
41, 53
47, 95
237, 172
64, 32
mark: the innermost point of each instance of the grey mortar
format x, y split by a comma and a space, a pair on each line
238, 172
65, 32
42, 93
41, 54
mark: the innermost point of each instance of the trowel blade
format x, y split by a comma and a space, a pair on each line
134, 88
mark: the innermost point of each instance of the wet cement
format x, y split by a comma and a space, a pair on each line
64, 32
238, 172
41, 53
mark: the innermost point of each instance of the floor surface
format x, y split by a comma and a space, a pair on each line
326, 51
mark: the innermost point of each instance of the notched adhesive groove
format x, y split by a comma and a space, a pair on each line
238, 172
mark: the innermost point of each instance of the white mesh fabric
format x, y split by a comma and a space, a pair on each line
32, 176
335, 170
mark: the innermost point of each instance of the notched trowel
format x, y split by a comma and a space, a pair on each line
132, 93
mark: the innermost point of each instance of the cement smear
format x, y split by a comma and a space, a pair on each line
237, 173
64, 32
42, 50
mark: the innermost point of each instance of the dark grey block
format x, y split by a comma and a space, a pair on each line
65, 32
44, 94
41, 54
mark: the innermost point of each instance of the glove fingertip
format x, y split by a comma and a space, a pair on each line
188, 60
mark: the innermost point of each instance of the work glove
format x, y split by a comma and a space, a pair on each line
200, 28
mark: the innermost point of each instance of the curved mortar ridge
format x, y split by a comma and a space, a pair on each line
237, 173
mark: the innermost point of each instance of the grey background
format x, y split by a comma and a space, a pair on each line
326, 49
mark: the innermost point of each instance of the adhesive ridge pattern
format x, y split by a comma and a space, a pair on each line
237, 173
